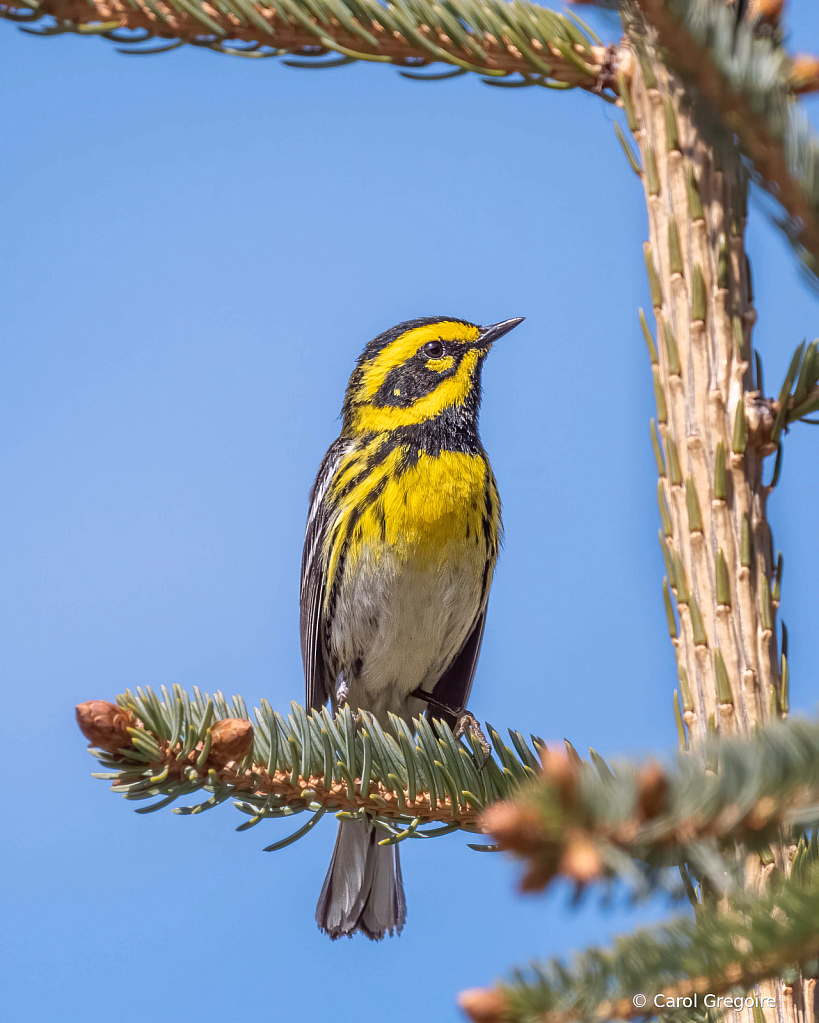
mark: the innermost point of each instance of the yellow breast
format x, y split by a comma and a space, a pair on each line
440, 499
442, 507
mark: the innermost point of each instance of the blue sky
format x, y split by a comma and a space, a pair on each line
196, 249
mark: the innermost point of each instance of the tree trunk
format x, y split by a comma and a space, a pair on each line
711, 438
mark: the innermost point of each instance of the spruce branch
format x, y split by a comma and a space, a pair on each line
799, 394
588, 822
489, 37
154, 748
748, 80
561, 815
730, 949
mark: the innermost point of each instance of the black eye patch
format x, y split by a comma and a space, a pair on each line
405, 384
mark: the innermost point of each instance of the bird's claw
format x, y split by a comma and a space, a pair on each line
342, 690
466, 721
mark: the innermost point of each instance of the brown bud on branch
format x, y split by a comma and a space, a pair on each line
581, 861
538, 875
769, 11
516, 826
232, 739
804, 73
561, 773
652, 790
105, 724
484, 1005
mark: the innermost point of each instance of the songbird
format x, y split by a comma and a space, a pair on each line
400, 547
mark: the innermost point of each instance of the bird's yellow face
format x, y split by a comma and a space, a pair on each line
415, 371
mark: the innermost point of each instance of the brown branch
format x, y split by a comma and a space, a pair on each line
255, 781
694, 61
161, 19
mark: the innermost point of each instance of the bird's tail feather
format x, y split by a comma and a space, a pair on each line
363, 890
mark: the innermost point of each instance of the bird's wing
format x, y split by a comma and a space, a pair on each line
453, 687
314, 579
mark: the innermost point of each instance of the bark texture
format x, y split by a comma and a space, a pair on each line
712, 437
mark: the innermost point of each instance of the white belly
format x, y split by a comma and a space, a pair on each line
398, 625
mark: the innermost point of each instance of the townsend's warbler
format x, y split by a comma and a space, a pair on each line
401, 542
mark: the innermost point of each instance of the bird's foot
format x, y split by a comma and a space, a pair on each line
341, 697
342, 693
466, 721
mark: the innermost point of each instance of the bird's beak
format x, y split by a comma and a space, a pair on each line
490, 334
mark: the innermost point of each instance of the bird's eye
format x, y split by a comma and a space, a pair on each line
433, 349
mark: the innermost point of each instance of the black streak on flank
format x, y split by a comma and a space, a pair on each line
485, 580
353, 523
374, 493
374, 459
487, 532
